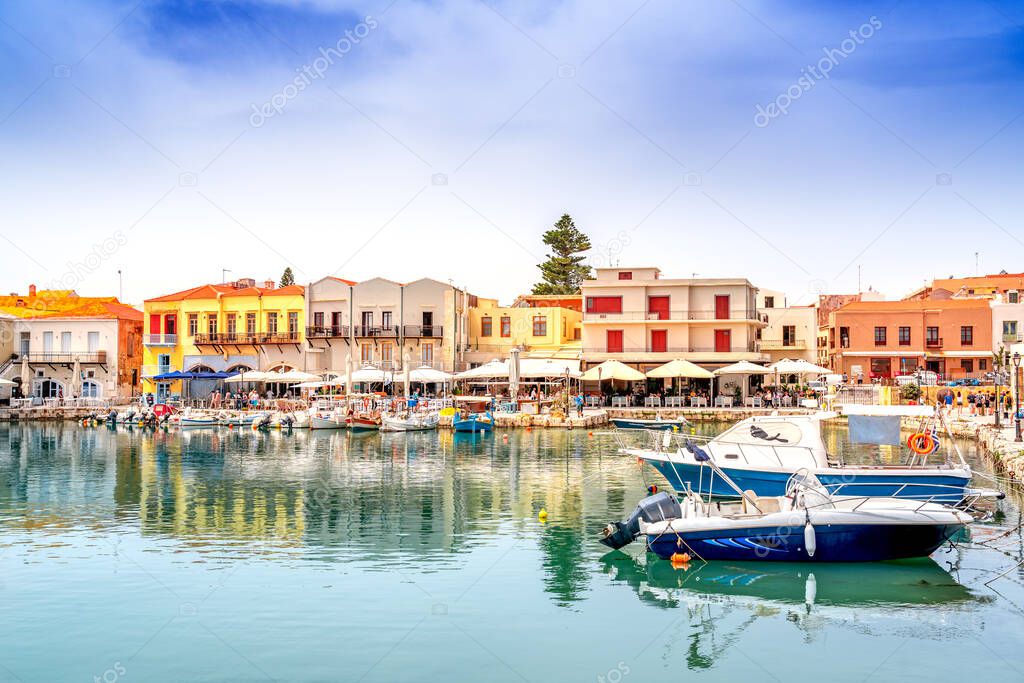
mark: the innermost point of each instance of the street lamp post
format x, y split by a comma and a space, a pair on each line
1016, 394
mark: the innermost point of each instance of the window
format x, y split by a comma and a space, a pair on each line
613, 341
250, 324
881, 367
966, 335
506, 326
879, 336
336, 322
844, 337
427, 354
163, 363
789, 335
367, 320
904, 336
366, 353
318, 319
193, 324
931, 336
625, 275
385, 319
1013, 297
47, 342
908, 366
486, 326
540, 326
65, 342
967, 364
293, 324
604, 304
93, 341
1010, 328
577, 334
171, 324
211, 323
983, 364
769, 302
232, 324
659, 341
272, 323
386, 354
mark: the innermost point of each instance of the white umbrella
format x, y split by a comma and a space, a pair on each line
492, 370
743, 367
369, 373
293, 376
612, 369
513, 373
249, 376
798, 367
26, 377
312, 385
548, 367
6, 383
405, 373
680, 368
76, 378
429, 375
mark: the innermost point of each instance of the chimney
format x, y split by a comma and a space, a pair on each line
31, 290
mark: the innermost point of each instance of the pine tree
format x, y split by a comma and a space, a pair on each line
287, 277
563, 272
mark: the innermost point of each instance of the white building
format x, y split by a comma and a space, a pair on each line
791, 331
637, 317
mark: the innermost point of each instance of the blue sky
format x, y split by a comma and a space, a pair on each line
442, 138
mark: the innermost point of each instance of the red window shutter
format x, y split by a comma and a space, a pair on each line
614, 341
604, 304
658, 306
659, 341
723, 341
722, 306
154, 323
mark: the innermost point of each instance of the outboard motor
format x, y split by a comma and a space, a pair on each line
656, 508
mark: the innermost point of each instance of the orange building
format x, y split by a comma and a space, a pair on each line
1009, 284
882, 339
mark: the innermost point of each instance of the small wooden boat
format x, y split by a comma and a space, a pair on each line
658, 423
411, 422
473, 423
364, 423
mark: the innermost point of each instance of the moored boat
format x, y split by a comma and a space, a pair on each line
473, 423
658, 423
364, 423
410, 422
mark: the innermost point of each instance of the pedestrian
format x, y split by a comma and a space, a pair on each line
579, 404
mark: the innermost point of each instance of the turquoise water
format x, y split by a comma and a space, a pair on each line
218, 555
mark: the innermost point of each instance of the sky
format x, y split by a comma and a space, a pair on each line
810, 147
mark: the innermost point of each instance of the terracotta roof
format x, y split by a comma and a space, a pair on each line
99, 309
343, 280
290, 290
213, 291
49, 303
911, 305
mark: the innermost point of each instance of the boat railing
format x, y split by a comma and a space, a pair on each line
670, 442
957, 496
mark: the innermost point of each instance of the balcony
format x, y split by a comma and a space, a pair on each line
229, 339
327, 331
433, 331
783, 344
692, 315
86, 358
735, 348
933, 343
1012, 338
160, 340
363, 331
157, 369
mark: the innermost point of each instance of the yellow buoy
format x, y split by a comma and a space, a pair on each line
542, 515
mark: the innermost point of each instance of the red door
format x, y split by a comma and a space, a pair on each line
659, 341
154, 323
614, 341
723, 341
721, 307
657, 306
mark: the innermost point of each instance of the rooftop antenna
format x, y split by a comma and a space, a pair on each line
976, 263
859, 290
120, 286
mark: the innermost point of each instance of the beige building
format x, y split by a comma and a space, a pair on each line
381, 322
790, 331
635, 316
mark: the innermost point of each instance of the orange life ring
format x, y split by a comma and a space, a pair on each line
922, 443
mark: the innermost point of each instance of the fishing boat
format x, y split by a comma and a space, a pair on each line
197, 418
657, 423
806, 524
409, 422
761, 454
364, 423
474, 423
323, 418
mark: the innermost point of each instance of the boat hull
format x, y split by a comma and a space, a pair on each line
623, 423
362, 425
835, 543
473, 426
938, 486
326, 423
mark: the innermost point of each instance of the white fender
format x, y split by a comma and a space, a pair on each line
810, 540
810, 590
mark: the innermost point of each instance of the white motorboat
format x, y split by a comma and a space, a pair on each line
410, 422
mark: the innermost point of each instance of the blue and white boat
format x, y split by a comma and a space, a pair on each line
761, 453
474, 423
656, 424
807, 524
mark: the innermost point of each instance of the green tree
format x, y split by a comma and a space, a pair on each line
287, 277
564, 270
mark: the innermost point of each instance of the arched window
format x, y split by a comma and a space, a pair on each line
91, 389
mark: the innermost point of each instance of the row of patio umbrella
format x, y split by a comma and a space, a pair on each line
615, 370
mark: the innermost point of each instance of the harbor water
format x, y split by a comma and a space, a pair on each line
233, 555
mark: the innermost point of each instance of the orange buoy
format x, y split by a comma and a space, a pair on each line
681, 558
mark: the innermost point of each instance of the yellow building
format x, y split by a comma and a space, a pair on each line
232, 327
540, 326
